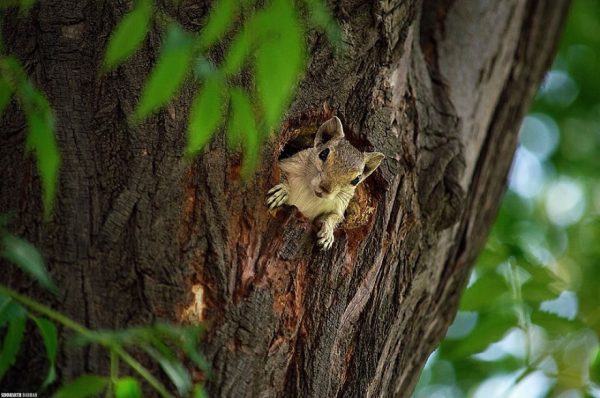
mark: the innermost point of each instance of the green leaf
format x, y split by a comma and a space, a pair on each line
5, 219
173, 369
469, 372
238, 119
40, 132
555, 324
243, 129
27, 257
487, 291
126, 337
535, 292
168, 74
595, 369
279, 60
128, 387
206, 114
129, 34
11, 344
489, 329
40, 123
5, 94
10, 309
219, 21
237, 52
26, 5
539, 274
186, 339
9, 3
321, 17
50, 377
150, 340
491, 256
131, 336
576, 356
277, 65
42, 141
48, 331
199, 391
49, 335
84, 386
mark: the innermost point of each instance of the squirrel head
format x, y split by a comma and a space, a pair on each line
340, 166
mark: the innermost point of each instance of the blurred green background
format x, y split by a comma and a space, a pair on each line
529, 321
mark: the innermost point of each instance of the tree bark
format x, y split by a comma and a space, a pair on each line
138, 233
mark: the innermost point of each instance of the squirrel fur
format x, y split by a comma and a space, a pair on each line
320, 181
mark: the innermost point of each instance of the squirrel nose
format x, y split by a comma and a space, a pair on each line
325, 188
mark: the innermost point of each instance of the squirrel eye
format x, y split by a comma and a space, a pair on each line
323, 154
355, 181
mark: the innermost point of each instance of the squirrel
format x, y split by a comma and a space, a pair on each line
320, 181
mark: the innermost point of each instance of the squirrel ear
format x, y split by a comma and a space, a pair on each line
372, 162
332, 127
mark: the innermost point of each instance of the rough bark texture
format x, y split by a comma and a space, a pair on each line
139, 234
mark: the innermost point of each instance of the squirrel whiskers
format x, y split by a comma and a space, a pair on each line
320, 181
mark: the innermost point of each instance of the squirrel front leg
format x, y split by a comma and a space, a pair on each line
278, 195
325, 234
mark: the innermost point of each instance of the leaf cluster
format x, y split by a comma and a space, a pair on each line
174, 348
530, 311
266, 41
14, 84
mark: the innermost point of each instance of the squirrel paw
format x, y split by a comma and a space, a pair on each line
325, 236
277, 196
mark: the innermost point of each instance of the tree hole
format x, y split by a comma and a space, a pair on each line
299, 134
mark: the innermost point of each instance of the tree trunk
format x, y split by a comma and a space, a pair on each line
138, 233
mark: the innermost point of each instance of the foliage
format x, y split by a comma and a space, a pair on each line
163, 342
529, 321
266, 41
40, 121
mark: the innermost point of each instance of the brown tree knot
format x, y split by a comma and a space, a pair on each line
445, 202
320, 179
